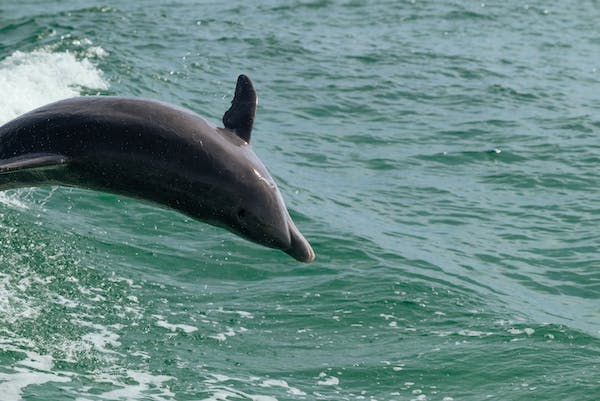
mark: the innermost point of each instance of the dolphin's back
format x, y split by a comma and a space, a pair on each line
90, 125
112, 143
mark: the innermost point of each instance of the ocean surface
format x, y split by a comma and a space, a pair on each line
442, 157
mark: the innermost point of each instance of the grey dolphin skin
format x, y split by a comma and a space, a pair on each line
157, 152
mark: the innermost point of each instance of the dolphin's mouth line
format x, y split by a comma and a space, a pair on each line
299, 248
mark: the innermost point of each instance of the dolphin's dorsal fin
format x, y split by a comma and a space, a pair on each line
32, 161
240, 116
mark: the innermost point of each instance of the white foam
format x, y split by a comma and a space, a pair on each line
12, 384
473, 333
36, 370
283, 384
37, 361
67, 303
101, 339
96, 51
223, 393
147, 386
13, 307
32, 79
327, 380
223, 336
173, 327
529, 331
241, 313
12, 200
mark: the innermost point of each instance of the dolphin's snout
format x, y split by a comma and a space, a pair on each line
299, 248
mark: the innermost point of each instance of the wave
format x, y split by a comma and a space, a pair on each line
32, 79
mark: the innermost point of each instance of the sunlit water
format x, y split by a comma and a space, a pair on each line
442, 158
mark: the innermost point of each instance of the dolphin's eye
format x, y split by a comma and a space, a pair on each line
241, 213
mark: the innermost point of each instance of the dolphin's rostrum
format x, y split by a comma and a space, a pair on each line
157, 152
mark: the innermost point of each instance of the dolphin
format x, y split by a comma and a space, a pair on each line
157, 152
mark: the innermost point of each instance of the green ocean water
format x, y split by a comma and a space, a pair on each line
443, 159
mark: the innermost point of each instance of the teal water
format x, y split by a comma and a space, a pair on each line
442, 158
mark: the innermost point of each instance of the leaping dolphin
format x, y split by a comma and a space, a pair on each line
157, 152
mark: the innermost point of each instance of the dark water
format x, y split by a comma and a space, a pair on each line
442, 158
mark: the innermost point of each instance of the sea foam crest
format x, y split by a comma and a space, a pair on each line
36, 369
32, 79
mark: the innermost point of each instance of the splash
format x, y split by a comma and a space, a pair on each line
35, 369
32, 79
